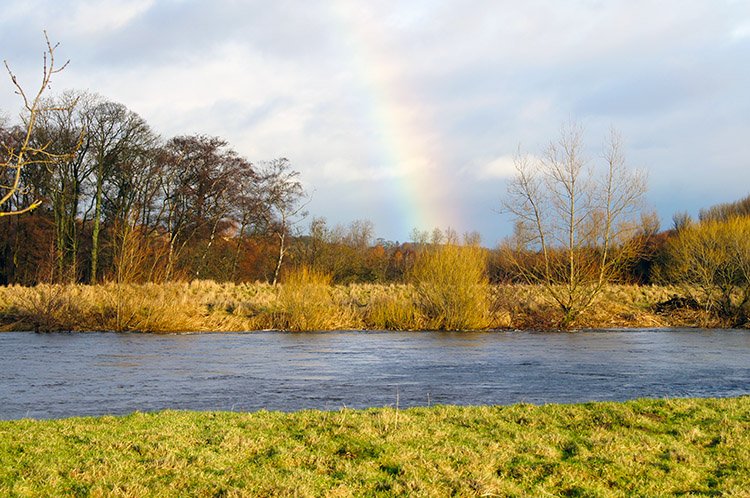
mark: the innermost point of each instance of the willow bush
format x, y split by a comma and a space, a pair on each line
714, 258
306, 303
452, 288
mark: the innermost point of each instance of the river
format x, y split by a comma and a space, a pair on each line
55, 375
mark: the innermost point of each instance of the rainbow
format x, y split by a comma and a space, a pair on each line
404, 141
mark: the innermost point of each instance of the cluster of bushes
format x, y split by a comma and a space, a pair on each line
712, 260
346, 283
306, 300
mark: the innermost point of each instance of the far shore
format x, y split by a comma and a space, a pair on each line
206, 306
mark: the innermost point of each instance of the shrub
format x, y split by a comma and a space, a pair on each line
44, 307
393, 308
306, 303
452, 289
714, 257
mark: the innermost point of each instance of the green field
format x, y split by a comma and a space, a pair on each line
690, 447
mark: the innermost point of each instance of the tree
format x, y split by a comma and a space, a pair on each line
117, 135
726, 211
199, 188
284, 200
64, 130
23, 153
246, 209
681, 221
580, 224
129, 193
345, 253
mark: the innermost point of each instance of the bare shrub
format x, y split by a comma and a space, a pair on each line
45, 307
452, 289
711, 260
306, 303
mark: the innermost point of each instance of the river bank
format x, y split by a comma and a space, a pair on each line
209, 306
638, 448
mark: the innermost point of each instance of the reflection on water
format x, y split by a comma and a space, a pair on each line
65, 374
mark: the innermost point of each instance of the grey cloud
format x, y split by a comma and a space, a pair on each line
479, 76
193, 28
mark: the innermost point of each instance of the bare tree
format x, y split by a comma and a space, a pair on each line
681, 220
284, 200
199, 190
117, 135
65, 133
24, 153
246, 210
579, 224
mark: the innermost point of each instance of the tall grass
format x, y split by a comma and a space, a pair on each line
306, 303
169, 307
452, 287
393, 307
445, 299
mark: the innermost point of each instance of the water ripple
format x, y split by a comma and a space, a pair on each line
67, 374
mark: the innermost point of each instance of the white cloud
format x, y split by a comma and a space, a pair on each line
741, 32
457, 85
343, 171
103, 16
502, 167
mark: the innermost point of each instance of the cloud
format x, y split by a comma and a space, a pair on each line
499, 168
354, 92
345, 172
89, 19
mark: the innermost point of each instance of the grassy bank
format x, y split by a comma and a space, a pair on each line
311, 303
692, 447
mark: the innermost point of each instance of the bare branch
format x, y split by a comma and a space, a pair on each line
24, 154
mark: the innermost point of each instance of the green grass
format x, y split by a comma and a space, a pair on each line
691, 447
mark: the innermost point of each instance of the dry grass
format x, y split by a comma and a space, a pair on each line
393, 308
170, 307
307, 301
618, 306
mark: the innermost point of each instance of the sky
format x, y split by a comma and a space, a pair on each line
409, 114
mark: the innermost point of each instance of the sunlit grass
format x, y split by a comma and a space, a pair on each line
692, 447
307, 301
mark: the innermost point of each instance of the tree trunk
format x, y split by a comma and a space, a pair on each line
236, 258
282, 250
95, 231
208, 248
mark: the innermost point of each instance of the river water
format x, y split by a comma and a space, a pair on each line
56, 375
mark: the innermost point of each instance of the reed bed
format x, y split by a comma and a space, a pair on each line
309, 302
